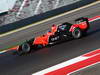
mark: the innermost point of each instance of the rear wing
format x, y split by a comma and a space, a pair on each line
81, 20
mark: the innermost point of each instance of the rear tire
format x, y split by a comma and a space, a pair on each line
77, 33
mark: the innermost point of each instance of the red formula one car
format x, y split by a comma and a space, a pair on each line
57, 33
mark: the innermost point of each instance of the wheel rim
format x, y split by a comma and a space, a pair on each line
25, 47
77, 33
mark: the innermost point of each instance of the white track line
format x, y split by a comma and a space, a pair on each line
61, 65
84, 68
64, 64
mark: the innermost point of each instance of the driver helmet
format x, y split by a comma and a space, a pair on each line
49, 30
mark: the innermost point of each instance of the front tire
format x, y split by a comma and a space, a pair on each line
77, 33
24, 48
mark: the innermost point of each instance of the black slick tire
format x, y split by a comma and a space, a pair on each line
77, 33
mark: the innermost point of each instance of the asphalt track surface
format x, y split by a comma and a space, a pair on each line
92, 70
28, 33
47, 57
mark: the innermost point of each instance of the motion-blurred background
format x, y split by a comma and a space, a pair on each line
15, 10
